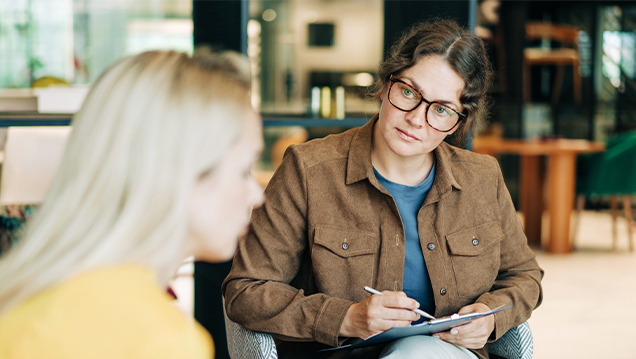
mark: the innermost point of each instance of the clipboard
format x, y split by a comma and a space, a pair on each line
425, 328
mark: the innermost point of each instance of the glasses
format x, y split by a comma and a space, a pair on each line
406, 98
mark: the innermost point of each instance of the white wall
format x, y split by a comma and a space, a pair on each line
358, 36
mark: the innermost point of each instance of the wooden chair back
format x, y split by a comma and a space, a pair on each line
565, 54
567, 35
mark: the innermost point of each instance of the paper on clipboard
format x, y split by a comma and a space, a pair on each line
425, 328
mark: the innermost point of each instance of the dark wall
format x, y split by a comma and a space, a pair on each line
508, 102
512, 15
221, 25
400, 15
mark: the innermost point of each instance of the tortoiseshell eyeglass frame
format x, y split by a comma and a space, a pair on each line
393, 80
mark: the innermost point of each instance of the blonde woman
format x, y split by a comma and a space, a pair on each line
158, 168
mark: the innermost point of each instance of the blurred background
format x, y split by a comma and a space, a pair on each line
562, 122
331, 49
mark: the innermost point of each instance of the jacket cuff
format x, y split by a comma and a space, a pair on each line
329, 320
502, 319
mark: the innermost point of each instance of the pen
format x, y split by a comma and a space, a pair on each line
418, 311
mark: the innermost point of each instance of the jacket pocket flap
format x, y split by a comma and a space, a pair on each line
473, 241
346, 243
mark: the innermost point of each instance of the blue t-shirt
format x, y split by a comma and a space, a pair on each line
409, 199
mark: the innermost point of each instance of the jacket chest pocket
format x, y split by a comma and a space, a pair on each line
475, 258
343, 261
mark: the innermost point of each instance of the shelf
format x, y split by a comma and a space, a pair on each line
35, 119
8, 119
311, 122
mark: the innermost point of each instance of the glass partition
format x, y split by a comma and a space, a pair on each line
616, 76
73, 41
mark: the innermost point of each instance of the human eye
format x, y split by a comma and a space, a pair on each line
441, 110
407, 92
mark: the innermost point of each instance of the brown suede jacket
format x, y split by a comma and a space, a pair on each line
328, 228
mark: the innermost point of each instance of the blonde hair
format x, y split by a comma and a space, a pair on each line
151, 126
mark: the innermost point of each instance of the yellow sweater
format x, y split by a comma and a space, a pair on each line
115, 312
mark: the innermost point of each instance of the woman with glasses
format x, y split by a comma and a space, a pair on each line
391, 206
157, 169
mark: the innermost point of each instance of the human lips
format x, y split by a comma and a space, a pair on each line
407, 136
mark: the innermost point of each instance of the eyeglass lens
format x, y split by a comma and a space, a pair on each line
439, 116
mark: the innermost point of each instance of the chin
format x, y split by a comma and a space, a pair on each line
218, 251
218, 256
404, 151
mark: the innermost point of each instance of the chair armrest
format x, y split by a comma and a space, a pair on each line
247, 344
515, 344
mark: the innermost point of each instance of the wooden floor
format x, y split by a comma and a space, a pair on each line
589, 305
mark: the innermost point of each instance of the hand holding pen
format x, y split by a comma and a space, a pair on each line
378, 313
418, 311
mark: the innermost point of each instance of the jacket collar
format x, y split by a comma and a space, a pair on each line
359, 166
444, 178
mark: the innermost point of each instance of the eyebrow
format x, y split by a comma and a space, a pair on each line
445, 102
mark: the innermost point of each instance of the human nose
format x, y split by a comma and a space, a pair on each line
417, 117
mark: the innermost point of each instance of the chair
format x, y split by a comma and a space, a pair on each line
32, 157
242, 343
610, 174
567, 54
294, 136
247, 344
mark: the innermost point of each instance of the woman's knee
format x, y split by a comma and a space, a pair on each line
424, 346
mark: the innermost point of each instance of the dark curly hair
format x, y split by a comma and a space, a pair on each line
465, 54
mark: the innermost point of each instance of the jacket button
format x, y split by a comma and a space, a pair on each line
475, 241
345, 246
430, 246
442, 291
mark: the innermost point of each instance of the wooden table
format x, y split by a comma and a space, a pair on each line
560, 181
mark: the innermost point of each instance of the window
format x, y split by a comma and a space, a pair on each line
75, 40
